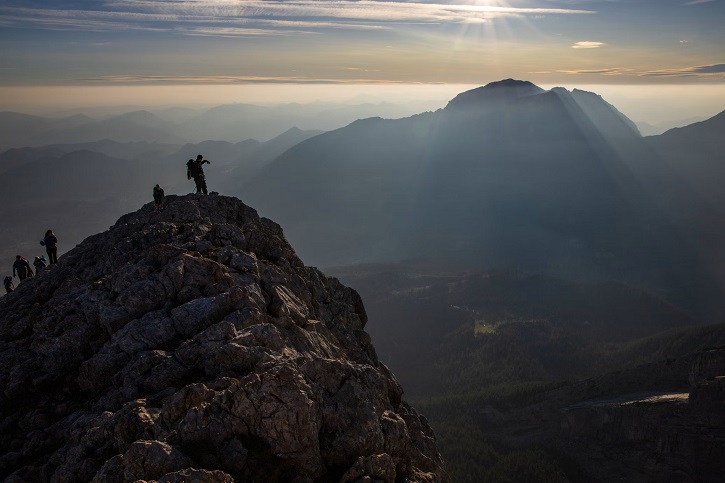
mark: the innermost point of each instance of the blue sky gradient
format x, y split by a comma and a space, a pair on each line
112, 43
226, 41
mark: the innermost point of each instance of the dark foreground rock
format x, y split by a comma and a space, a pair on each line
191, 344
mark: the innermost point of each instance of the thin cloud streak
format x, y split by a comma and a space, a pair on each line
97, 21
710, 69
364, 9
705, 71
231, 80
609, 71
698, 2
714, 70
587, 45
172, 16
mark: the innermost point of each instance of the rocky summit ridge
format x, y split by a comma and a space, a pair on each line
190, 343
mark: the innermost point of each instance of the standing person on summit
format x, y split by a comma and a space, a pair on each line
49, 242
195, 170
22, 267
158, 195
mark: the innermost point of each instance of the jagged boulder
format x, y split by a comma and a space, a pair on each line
190, 343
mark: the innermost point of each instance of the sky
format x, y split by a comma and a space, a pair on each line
62, 51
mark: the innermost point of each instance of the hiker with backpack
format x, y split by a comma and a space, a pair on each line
158, 195
9, 285
39, 263
195, 170
49, 242
22, 267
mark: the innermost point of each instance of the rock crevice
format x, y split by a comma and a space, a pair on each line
192, 342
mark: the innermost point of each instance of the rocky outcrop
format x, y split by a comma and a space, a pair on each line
677, 437
190, 343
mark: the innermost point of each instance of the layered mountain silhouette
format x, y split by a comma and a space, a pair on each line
22, 130
229, 122
263, 122
555, 184
18, 130
79, 189
506, 176
696, 153
190, 343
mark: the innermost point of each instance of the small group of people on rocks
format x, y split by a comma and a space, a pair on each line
195, 171
22, 268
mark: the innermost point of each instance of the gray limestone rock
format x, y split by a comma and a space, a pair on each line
192, 344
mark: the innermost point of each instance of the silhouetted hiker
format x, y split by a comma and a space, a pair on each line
194, 170
39, 264
9, 285
22, 267
158, 195
49, 242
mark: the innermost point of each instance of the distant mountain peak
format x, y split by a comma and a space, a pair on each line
295, 133
512, 83
501, 91
585, 92
366, 122
137, 115
78, 118
708, 127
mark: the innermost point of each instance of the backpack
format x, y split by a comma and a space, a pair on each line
192, 169
39, 263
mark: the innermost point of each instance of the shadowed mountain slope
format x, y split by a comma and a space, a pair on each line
508, 363
531, 327
507, 176
191, 343
697, 153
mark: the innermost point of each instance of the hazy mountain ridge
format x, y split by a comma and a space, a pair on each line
78, 189
696, 153
229, 122
555, 182
129, 127
655, 129
504, 92
263, 122
607, 118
